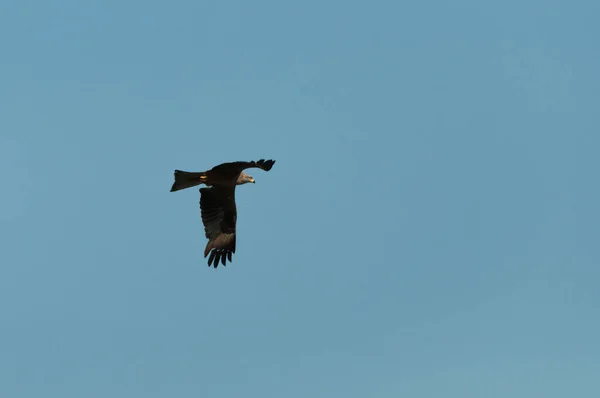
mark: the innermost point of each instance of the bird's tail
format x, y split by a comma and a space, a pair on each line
185, 179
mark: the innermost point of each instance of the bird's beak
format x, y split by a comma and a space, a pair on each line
252, 181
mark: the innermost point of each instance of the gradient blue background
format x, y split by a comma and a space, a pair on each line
430, 228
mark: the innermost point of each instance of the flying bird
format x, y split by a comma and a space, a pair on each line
217, 203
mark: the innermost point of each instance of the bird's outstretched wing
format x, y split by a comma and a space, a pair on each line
219, 215
263, 164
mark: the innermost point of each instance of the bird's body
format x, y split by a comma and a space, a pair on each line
217, 203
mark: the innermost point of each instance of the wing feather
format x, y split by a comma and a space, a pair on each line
237, 167
219, 215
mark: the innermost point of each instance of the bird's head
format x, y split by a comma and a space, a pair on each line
245, 178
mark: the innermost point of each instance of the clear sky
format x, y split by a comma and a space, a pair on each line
430, 228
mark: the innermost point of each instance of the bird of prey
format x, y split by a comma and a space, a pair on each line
217, 203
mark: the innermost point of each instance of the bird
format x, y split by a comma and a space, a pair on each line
217, 203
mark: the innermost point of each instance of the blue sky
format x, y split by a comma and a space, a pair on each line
430, 227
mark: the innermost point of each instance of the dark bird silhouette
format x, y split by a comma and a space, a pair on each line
217, 203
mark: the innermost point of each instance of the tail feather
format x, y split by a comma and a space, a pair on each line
186, 179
